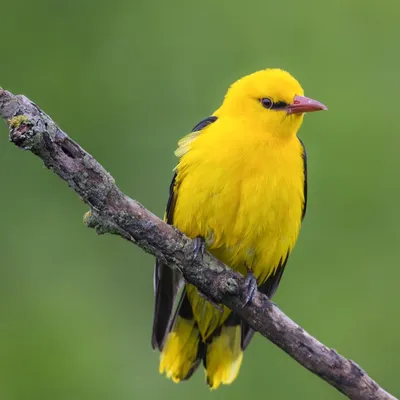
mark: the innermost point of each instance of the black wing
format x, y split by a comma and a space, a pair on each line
166, 280
305, 179
270, 286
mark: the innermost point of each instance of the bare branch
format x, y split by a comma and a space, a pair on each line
114, 212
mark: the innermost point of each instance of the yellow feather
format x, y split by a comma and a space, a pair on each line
184, 144
180, 350
206, 315
224, 357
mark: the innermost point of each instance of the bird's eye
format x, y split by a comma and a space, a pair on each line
267, 103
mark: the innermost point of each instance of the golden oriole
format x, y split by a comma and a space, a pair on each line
240, 186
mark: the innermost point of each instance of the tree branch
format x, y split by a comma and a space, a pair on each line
114, 212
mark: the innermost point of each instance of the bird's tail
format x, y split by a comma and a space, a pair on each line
185, 348
224, 353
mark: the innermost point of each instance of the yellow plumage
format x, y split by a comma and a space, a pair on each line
240, 185
175, 362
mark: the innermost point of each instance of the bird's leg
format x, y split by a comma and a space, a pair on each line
249, 287
199, 247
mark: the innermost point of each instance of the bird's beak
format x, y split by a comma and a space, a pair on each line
302, 104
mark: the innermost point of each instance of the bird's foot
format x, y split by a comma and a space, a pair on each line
199, 247
249, 288
217, 306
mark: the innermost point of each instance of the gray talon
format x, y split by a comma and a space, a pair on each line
199, 247
249, 288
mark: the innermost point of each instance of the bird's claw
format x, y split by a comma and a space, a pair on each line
199, 247
249, 288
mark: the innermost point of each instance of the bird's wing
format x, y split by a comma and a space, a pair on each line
167, 281
305, 178
270, 286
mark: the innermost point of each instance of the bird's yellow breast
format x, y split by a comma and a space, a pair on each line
244, 192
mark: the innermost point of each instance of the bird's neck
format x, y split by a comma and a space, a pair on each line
252, 136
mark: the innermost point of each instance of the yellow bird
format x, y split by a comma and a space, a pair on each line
240, 188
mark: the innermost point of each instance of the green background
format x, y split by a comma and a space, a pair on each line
127, 79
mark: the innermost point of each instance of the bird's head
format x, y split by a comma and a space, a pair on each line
270, 99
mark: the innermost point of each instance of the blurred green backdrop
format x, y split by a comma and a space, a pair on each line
127, 79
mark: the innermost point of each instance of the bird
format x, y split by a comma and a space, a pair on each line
240, 191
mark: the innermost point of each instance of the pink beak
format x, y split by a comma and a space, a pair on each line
302, 104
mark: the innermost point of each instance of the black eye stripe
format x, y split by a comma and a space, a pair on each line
279, 104
270, 105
